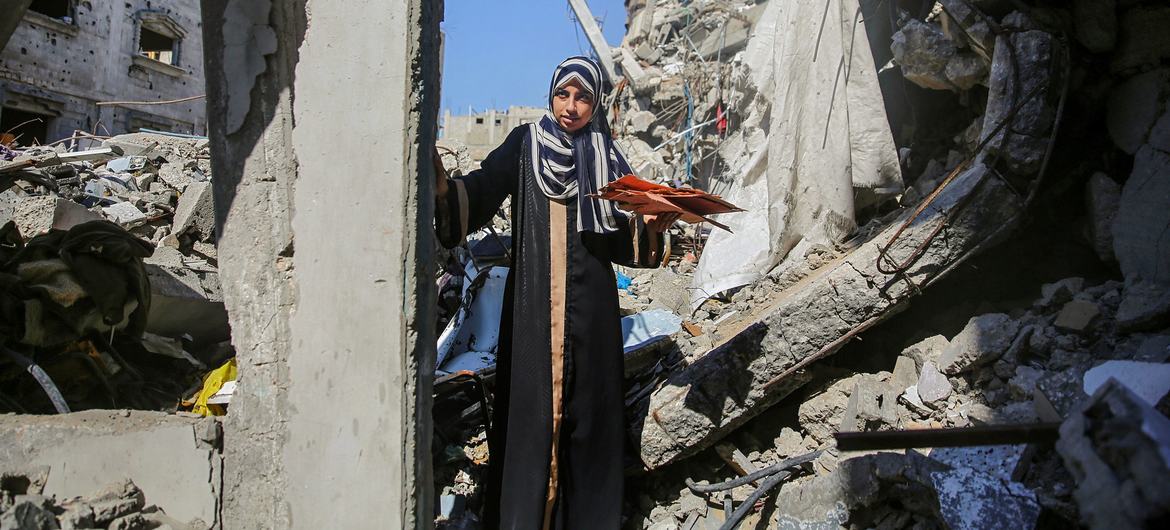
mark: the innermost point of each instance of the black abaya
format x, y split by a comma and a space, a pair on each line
559, 368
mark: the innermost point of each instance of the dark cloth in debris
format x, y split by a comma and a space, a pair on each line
554, 462
67, 283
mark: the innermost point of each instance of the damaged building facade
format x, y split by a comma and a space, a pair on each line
68, 56
482, 132
944, 306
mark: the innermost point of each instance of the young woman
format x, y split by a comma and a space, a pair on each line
557, 431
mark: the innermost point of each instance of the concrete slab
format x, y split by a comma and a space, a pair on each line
85, 451
1150, 381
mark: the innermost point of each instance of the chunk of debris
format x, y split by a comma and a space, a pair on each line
1117, 448
1076, 315
971, 499
983, 340
933, 386
1149, 381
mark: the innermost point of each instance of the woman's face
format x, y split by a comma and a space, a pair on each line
572, 106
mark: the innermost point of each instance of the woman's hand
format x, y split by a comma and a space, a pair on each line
441, 184
661, 222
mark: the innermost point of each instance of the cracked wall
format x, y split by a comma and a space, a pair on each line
319, 239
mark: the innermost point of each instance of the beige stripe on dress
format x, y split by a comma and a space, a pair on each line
558, 252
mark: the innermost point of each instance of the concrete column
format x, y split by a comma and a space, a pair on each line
322, 188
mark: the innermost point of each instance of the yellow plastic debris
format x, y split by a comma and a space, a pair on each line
212, 382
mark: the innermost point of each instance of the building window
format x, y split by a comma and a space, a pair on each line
479, 121
159, 38
23, 128
59, 9
157, 46
497, 122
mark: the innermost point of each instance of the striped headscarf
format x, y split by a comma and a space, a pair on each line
577, 165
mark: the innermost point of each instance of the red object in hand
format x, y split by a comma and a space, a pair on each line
647, 198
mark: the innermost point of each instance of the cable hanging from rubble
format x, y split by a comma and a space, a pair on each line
772, 476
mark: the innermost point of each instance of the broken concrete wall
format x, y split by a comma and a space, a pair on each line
761, 362
320, 281
174, 459
61, 67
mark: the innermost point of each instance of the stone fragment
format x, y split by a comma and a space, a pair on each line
29, 512
735, 459
820, 415
648, 53
928, 349
965, 71
195, 212
923, 51
1102, 197
125, 214
668, 290
1022, 385
174, 174
34, 215
1096, 24
967, 27
1116, 449
1144, 306
970, 499
788, 443
1148, 381
905, 374
864, 411
1076, 316
1026, 56
1143, 219
933, 386
640, 121
911, 397
1132, 108
1143, 40
983, 340
1059, 292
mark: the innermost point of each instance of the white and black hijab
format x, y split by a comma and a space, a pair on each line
577, 165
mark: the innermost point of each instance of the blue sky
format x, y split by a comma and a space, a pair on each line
502, 52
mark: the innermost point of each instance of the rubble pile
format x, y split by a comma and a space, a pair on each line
112, 295
1040, 363
1032, 123
118, 506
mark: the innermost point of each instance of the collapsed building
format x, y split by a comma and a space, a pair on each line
945, 305
85, 66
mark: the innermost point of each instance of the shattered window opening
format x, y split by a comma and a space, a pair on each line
155, 45
28, 128
58, 9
